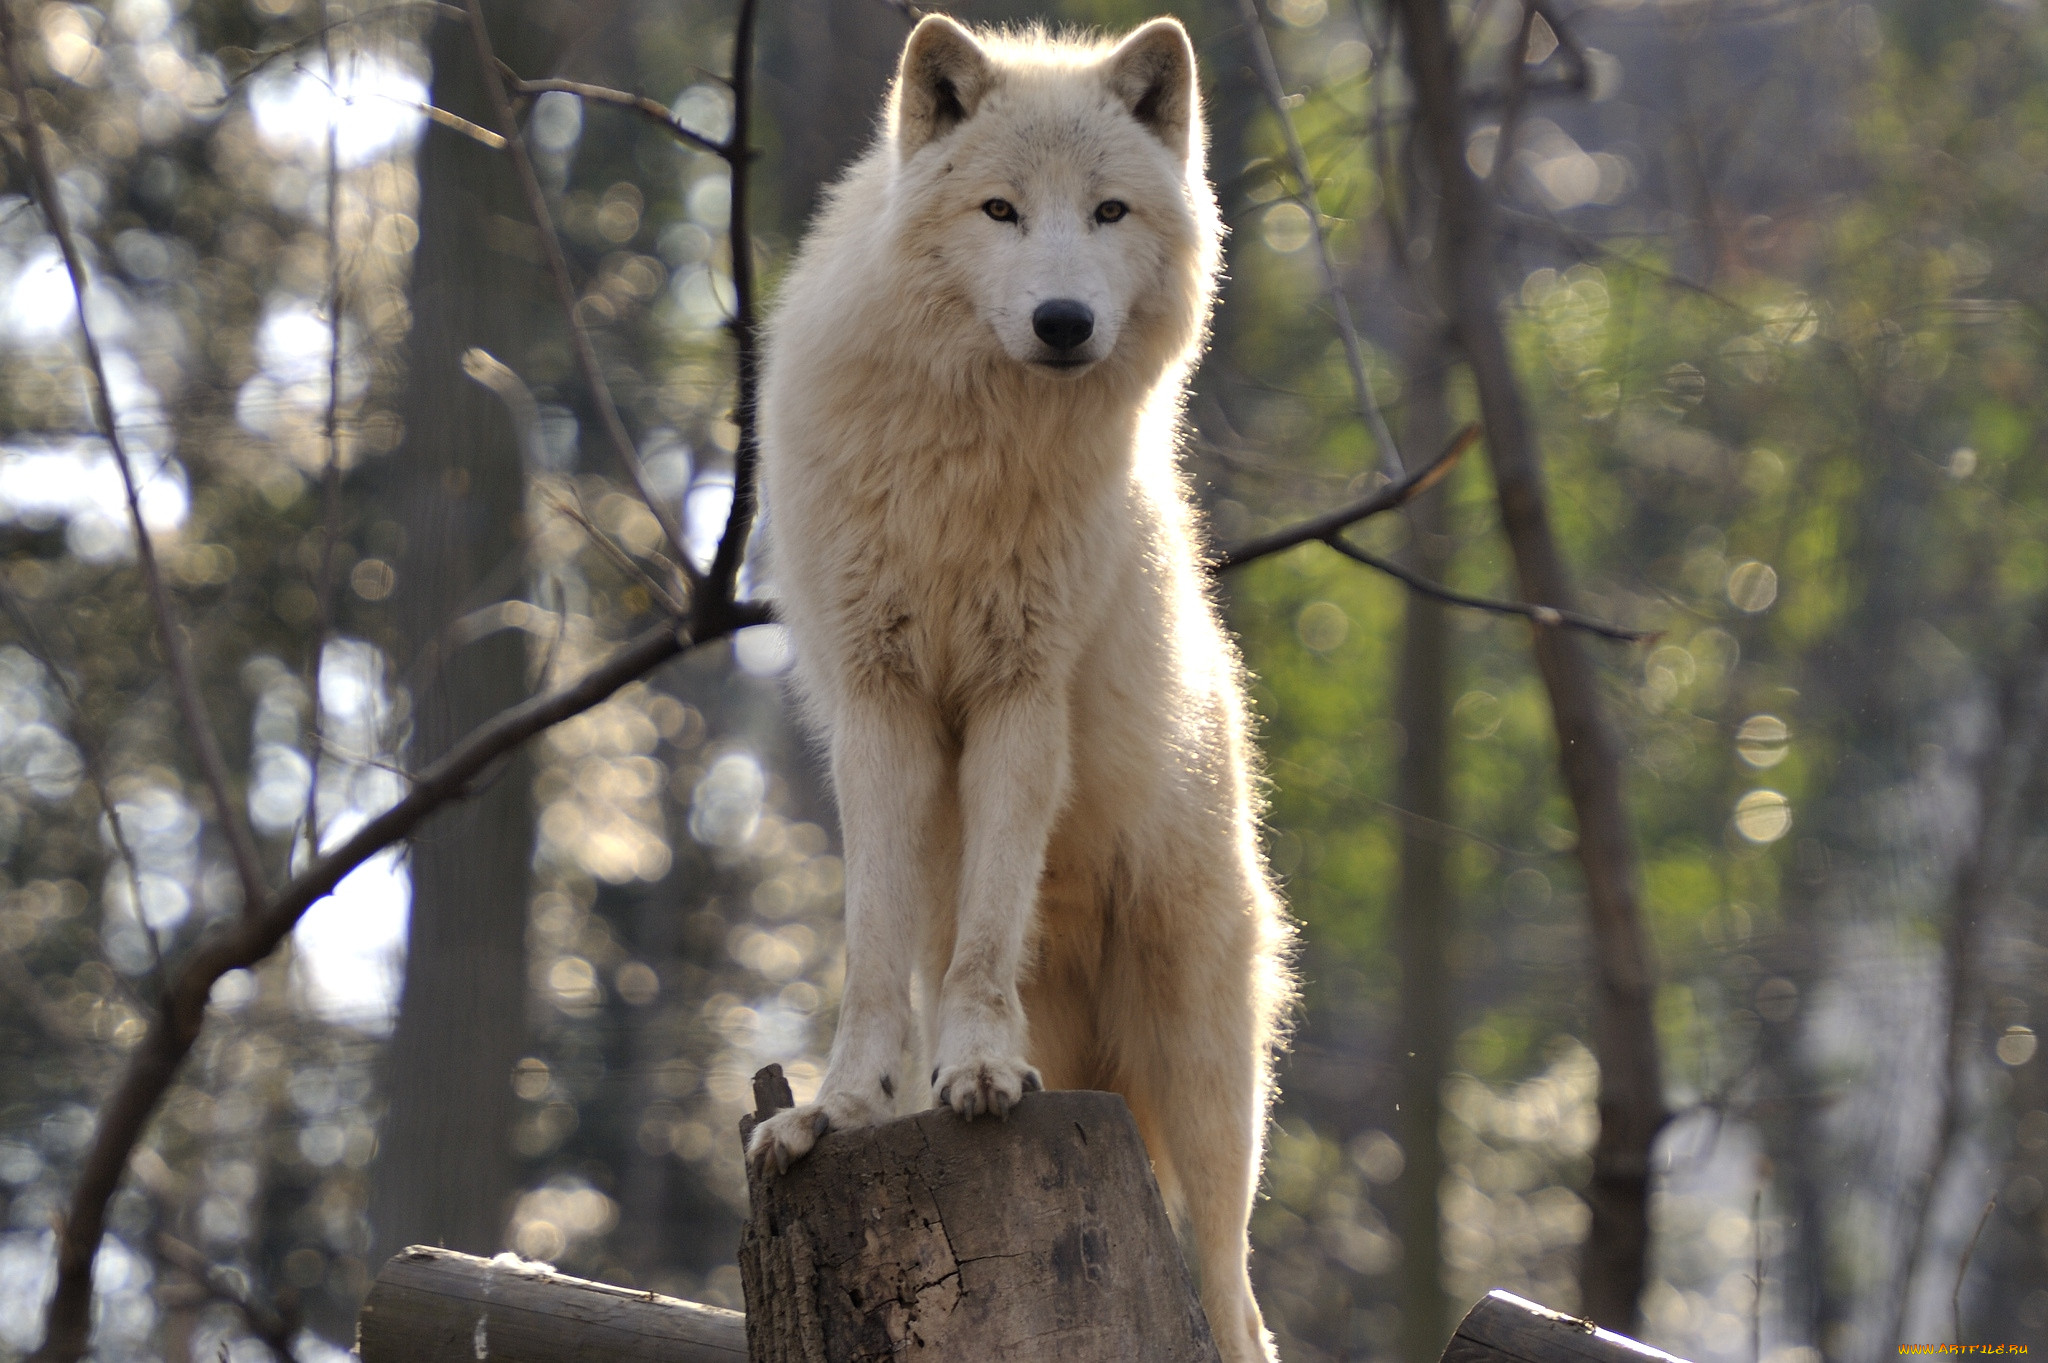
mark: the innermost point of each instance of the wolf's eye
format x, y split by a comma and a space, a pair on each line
1002, 210
1111, 210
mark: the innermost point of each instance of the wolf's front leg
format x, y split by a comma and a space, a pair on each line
888, 768
1013, 781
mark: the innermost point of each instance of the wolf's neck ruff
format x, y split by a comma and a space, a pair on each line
982, 550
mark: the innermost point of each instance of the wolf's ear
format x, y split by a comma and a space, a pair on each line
942, 79
1153, 73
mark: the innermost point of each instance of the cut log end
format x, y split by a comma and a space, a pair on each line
436, 1306
1504, 1328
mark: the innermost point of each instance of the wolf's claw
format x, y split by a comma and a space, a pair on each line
990, 1087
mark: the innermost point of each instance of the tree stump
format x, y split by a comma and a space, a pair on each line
1036, 1239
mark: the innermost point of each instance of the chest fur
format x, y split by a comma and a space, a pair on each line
957, 570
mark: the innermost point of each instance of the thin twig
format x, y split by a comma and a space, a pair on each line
1361, 382
17, 979
620, 559
497, 377
260, 61
561, 631
330, 480
1515, 81
457, 123
653, 110
1549, 616
1588, 245
170, 631
1438, 830
269, 1324
1387, 498
739, 522
565, 289
1756, 1279
1984, 877
95, 774
1955, 1298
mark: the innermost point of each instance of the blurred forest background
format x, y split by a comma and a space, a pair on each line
1771, 271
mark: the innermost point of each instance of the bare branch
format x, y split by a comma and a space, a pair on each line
739, 523
1387, 498
1361, 382
274, 1327
620, 559
17, 979
565, 289
457, 123
170, 630
1548, 616
95, 773
654, 111
262, 60
154, 1063
1515, 81
1955, 1298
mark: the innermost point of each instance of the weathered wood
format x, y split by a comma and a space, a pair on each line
1503, 1328
1035, 1239
1040, 1239
437, 1306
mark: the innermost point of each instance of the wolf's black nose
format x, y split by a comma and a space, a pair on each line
1063, 323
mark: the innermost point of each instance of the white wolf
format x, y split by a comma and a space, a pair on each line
1035, 723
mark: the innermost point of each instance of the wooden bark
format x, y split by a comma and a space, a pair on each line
1060, 1155
437, 1306
1037, 1239
1503, 1328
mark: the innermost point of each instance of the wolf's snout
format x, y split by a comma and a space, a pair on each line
1063, 323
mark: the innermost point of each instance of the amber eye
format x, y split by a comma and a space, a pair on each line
1002, 210
1111, 210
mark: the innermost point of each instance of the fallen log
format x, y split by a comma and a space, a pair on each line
1503, 1328
437, 1306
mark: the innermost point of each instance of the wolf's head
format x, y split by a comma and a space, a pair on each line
1055, 191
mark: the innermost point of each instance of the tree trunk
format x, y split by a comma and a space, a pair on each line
1040, 1239
453, 496
1426, 908
2011, 767
1624, 1037
832, 56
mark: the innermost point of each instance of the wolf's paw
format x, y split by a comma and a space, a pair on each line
789, 1135
989, 1084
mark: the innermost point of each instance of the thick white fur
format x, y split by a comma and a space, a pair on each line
1034, 719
